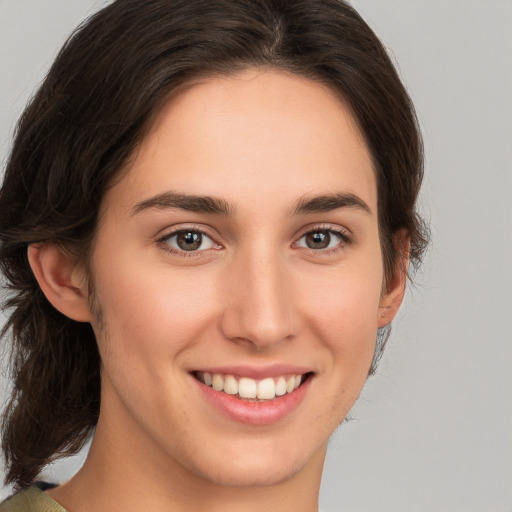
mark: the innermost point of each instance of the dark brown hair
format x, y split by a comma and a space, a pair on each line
87, 118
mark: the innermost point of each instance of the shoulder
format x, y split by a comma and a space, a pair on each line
33, 499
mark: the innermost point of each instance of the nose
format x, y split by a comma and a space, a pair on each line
258, 300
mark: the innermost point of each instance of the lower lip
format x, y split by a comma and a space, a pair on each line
255, 413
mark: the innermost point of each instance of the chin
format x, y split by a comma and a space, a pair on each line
249, 476
257, 469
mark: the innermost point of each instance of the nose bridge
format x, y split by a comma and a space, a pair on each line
259, 305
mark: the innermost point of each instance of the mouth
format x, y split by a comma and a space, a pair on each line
253, 390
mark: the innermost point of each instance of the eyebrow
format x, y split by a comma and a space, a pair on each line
329, 202
217, 206
191, 203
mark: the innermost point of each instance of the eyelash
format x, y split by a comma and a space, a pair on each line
164, 241
343, 236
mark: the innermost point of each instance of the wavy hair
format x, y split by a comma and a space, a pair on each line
86, 119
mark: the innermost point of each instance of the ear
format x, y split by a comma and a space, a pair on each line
393, 295
61, 279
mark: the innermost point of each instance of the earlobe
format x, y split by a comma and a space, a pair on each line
61, 280
393, 296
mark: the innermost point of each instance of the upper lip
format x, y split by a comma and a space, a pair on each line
256, 372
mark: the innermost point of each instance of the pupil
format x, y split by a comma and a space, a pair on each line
318, 240
189, 240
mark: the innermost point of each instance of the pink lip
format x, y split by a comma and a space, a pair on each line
254, 413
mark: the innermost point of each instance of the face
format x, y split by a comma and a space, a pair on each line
238, 271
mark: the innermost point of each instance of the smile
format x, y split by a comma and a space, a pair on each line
252, 389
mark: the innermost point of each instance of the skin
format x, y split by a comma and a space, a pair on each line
255, 294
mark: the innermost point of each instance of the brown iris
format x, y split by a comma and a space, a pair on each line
189, 240
318, 239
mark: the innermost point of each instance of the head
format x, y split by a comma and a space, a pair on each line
121, 83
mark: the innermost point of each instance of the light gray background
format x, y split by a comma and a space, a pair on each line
432, 431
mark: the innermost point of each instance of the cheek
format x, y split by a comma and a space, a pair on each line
343, 308
149, 312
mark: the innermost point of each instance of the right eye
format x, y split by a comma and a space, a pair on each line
188, 240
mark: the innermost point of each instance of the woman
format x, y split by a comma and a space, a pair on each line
207, 221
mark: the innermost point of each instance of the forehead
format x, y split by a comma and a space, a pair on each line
257, 132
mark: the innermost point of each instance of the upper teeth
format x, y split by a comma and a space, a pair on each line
264, 389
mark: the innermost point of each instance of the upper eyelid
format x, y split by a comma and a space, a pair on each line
323, 227
171, 231
168, 234
345, 239
162, 241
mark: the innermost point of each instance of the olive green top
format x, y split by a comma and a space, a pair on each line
32, 499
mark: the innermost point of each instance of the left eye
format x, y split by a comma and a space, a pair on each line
320, 239
189, 240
